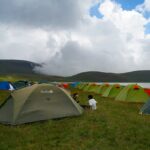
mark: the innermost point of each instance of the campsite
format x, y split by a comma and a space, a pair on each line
74, 75
114, 125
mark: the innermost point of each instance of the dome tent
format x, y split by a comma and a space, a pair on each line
112, 91
86, 87
97, 88
82, 86
21, 84
94, 88
65, 85
5, 85
74, 84
38, 102
132, 93
102, 88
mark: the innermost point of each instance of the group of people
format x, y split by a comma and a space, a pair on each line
91, 101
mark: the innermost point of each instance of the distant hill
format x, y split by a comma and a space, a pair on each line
21, 69
135, 76
98, 76
26, 69
17, 67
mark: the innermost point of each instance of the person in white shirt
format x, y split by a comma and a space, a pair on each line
92, 102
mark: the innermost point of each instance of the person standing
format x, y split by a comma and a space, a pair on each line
92, 102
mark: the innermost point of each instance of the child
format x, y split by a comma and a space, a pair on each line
92, 102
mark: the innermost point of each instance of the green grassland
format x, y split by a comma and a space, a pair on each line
13, 78
33, 77
113, 126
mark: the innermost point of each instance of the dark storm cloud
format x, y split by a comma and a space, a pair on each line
47, 13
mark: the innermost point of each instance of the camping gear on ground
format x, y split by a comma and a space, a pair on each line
132, 93
145, 108
38, 102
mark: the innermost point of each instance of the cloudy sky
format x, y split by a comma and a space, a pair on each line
72, 36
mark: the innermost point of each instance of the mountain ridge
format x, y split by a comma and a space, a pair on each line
23, 67
133, 76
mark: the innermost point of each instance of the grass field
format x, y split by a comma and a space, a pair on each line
13, 78
32, 77
113, 126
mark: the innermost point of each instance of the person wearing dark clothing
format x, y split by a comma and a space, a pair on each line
75, 97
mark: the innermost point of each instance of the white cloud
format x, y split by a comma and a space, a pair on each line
131, 22
144, 7
21, 43
115, 43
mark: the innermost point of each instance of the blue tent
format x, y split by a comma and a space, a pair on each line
74, 84
5, 85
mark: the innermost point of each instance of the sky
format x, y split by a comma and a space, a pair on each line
73, 36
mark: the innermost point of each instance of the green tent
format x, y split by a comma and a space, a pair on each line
132, 93
86, 87
38, 102
96, 89
112, 91
81, 86
92, 88
89, 88
101, 89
